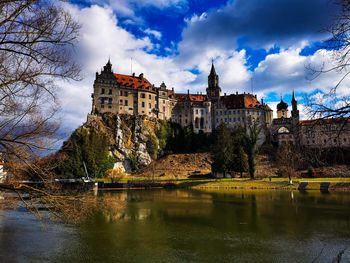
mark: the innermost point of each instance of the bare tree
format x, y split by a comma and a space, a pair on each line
334, 104
36, 45
36, 48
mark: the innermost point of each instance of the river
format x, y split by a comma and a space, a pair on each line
188, 226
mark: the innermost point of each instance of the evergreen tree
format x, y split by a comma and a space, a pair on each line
250, 141
89, 146
222, 150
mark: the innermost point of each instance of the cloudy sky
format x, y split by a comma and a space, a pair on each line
264, 46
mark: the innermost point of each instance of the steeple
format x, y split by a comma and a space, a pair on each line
212, 71
295, 111
213, 90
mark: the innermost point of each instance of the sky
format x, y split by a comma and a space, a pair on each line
262, 46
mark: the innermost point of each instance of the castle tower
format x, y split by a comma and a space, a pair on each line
213, 90
295, 111
282, 109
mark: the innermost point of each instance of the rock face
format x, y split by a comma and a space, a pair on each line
129, 137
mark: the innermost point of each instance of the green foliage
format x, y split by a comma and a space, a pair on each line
163, 133
134, 161
250, 141
222, 150
240, 160
152, 147
87, 146
184, 140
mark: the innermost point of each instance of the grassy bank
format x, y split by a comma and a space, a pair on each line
330, 184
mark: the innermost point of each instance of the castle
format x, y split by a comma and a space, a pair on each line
135, 95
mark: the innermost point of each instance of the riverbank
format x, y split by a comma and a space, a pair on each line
320, 184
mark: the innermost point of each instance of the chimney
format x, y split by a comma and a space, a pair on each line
133, 74
262, 102
236, 92
201, 93
141, 76
188, 92
172, 89
255, 95
225, 94
244, 93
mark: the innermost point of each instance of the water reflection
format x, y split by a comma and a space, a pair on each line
191, 226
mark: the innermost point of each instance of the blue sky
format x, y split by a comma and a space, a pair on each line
262, 45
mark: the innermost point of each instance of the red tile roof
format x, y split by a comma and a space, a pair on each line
191, 97
134, 82
239, 101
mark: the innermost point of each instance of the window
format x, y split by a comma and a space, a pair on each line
150, 105
143, 104
143, 95
102, 91
150, 96
110, 92
121, 93
238, 112
121, 102
163, 108
109, 100
196, 111
126, 103
102, 100
126, 93
202, 112
163, 101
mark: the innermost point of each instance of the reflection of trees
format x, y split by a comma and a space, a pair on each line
197, 226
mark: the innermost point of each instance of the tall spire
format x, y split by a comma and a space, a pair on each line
212, 71
293, 97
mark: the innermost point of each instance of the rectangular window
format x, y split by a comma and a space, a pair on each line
126, 103
143, 95
102, 91
150, 105
121, 102
110, 92
121, 93
150, 96
143, 104
202, 112
126, 93
163, 109
109, 100
196, 111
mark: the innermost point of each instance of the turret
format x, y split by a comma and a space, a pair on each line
282, 109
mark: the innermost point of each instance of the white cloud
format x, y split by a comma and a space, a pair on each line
103, 37
156, 34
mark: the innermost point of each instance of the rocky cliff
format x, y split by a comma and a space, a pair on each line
133, 140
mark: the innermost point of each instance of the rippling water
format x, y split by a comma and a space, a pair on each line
189, 226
